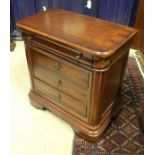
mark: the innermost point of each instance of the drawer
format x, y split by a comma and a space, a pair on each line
60, 49
71, 79
59, 98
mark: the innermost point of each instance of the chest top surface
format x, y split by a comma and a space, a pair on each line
94, 36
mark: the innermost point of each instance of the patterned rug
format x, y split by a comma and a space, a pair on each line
123, 136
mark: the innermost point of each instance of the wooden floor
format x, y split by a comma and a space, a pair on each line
139, 55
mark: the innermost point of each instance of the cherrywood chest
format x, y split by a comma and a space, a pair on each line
76, 66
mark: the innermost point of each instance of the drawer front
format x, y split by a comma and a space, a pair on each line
59, 48
59, 98
68, 78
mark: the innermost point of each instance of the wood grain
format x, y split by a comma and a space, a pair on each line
96, 37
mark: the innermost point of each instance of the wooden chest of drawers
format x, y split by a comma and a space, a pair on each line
76, 66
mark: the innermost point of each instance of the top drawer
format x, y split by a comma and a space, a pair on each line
60, 49
45, 64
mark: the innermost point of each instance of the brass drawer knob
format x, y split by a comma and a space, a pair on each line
57, 66
29, 37
77, 57
58, 82
59, 96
